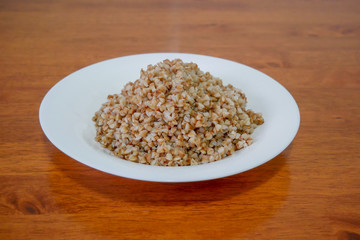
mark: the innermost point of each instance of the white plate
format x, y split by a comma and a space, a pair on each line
67, 109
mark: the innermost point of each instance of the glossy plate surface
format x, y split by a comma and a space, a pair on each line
67, 109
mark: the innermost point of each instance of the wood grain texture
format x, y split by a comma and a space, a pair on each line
310, 191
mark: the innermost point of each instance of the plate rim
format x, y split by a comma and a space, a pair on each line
171, 170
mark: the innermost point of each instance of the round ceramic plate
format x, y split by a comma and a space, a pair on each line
67, 109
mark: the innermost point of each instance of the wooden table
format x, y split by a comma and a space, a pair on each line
310, 191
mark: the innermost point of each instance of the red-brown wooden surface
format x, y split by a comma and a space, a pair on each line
310, 191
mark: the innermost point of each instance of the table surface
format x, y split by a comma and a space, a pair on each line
310, 191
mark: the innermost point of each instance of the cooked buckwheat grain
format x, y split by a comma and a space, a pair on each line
175, 115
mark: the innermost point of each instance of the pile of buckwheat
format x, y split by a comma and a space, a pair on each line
175, 115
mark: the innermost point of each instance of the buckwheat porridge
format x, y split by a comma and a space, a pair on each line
175, 115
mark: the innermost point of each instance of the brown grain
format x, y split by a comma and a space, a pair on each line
191, 118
